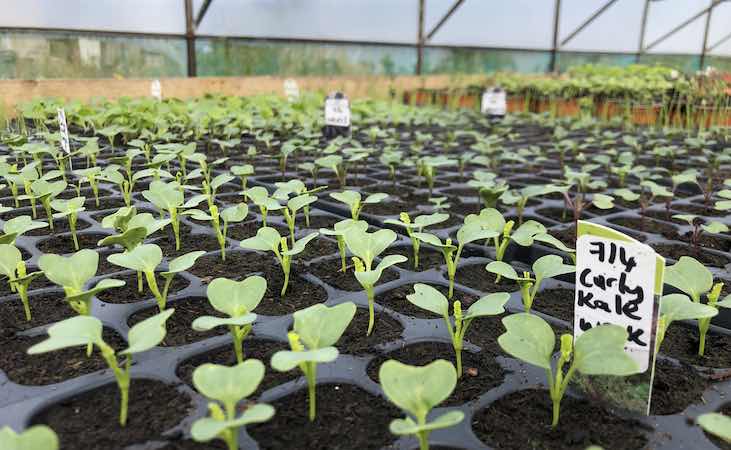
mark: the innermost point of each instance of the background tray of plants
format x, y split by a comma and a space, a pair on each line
220, 163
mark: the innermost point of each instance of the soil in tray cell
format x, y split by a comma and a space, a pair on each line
51, 367
428, 257
239, 265
675, 251
676, 386
480, 372
681, 342
45, 308
347, 418
329, 272
260, 349
63, 245
355, 341
179, 326
129, 293
476, 277
396, 300
91, 420
522, 420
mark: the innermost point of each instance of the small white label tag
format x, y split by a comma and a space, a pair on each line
63, 130
494, 102
337, 112
156, 89
291, 90
615, 284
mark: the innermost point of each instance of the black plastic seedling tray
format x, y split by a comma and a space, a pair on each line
21, 405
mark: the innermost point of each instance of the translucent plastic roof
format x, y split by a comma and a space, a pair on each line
480, 23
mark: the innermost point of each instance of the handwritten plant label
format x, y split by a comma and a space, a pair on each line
156, 89
618, 280
337, 111
63, 129
494, 102
291, 90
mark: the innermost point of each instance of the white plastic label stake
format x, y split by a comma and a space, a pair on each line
63, 130
291, 90
615, 284
337, 112
156, 89
494, 102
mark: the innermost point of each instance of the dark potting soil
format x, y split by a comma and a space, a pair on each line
428, 257
328, 270
675, 251
260, 349
676, 386
45, 308
107, 203
240, 264
681, 342
666, 230
63, 245
188, 243
557, 214
355, 341
179, 325
558, 303
397, 301
484, 331
391, 207
51, 367
188, 444
480, 372
347, 418
91, 420
59, 226
318, 247
523, 420
245, 230
318, 221
476, 277
129, 292
698, 209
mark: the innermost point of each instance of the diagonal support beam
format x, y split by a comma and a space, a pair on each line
702, 61
446, 17
588, 21
681, 26
202, 12
718, 42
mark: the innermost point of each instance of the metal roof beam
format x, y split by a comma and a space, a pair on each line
588, 21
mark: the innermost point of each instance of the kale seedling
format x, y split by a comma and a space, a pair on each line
13, 267
366, 247
548, 266
167, 197
355, 201
260, 196
236, 299
232, 214
17, 226
46, 191
716, 424
430, 299
37, 437
598, 351
228, 386
417, 226
675, 307
268, 240
339, 230
316, 330
72, 273
87, 330
691, 277
145, 258
466, 234
70, 209
417, 390
699, 227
